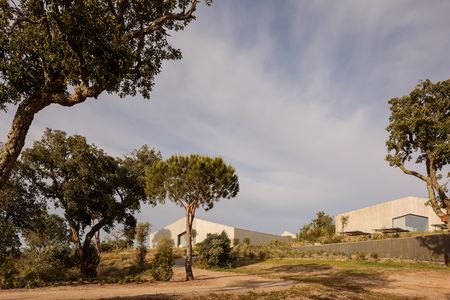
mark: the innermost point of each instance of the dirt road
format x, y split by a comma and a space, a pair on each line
206, 282
315, 280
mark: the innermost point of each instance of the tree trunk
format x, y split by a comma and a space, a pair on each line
448, 219
97, 241
89, 259
16, 137
188, 261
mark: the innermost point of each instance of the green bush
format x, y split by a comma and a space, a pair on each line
161, 267
49, 264
373, 256
360, 256
142, 230
8, 272
215, 250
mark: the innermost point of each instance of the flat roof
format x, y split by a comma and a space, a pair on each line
391, 230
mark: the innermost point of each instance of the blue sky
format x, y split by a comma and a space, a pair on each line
292, 93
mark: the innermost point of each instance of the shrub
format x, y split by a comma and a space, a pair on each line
374, 256
8, 272
360, 256
161, 267
215, 250
142, 230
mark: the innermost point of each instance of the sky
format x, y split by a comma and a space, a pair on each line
293, 94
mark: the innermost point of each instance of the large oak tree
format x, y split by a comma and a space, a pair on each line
190, 182
94, 190
419, 132
66, 51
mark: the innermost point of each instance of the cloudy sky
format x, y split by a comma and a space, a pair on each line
292, 93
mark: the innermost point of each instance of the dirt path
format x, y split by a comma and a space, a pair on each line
422, 284
206, 282
320, 280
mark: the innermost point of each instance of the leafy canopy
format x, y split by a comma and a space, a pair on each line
419, 125
419, 131
66, 51
192, 180
115, 46
320, 228
94, 189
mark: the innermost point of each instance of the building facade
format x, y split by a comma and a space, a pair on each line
177, 232
408, 213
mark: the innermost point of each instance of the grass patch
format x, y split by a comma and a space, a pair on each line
350, 264
325, 278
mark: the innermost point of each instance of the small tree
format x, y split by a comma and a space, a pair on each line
190, 182
320, 227
48, 255
344, 222
215, 250
419, 131
162, 265
142, 230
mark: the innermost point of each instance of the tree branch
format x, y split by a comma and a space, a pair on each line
93, 230
159, 23
413, 173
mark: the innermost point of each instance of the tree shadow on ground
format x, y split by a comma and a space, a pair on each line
353, 281
242, 262
307, 268
439, 245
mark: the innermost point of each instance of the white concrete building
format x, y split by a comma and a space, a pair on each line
177, 232
409, 213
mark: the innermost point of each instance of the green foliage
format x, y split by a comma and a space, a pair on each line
194, 179
191, 181
108, 44
215, 250
50, 263
165, 242
94, 189
162, 266
64, 52
142, 230
373, 256
275, 249
420, 122
246, 241
320, 229
47, 256
360, 256
20, 206
419, 130
344, 222
48, 230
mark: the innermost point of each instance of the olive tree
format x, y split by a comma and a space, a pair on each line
190, 182
419, 132
93, 189
66, 51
